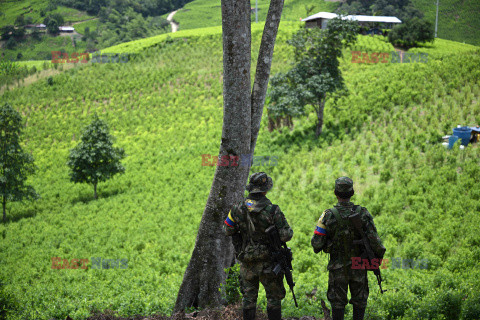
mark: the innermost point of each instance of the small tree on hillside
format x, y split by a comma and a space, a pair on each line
53, 22
15, 165
315, 73
411, 33
95, 159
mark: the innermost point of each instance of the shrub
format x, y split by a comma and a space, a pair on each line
7, 302
412, 32
471, 307
232, 284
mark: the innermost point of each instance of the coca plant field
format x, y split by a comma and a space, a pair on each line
165, 109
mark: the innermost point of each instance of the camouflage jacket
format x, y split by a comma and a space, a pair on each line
336, 238
250, 218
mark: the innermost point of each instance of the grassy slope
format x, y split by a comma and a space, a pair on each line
92, 24
42, 49
11, 9
207, 13
458, 20
165, 108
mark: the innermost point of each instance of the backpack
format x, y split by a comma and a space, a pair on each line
342, 243
252, 246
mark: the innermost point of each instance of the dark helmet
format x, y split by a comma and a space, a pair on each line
259, 182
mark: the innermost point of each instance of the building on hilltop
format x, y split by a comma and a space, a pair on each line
66, 29
320, 20
35, 26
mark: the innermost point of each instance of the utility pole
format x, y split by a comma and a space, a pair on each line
436, 20
256, 12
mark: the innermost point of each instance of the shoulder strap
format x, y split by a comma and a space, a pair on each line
273, 209
357, 208
336, 214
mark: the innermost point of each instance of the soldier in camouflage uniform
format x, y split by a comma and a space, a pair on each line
246, 222
334, 234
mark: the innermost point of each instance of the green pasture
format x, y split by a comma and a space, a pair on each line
80, 27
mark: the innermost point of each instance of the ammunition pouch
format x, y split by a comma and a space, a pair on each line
254, 252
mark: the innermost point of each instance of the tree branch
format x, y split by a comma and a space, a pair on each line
264, 63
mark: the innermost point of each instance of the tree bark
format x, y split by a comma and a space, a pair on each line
321, 106
213, 250
95, 191
4, 204
243, 110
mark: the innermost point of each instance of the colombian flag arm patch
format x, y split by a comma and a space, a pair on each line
321, 229
229, 221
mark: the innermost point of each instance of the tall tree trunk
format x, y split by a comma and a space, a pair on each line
213, 250
264, 63
321, 106
4, 204
241, 123
95, 190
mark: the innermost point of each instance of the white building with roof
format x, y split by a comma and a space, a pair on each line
321, 19
66, 29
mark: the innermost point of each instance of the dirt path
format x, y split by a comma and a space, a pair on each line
227, 313
402, 52
172, 23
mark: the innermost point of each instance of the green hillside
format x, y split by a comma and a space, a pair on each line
11, 9
208, 13
165, 108
458, 20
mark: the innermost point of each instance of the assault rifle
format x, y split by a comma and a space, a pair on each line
282, 258
357, 224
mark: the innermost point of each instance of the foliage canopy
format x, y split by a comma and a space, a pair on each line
315, 73
15, 164
95, 159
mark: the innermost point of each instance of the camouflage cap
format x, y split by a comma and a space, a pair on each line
259, 182
344, 184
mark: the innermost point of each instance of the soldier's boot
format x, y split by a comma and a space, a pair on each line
249, 314
358, 313
274, 314
338, 314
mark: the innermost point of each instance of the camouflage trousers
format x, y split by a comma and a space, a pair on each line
251, 274
340, 280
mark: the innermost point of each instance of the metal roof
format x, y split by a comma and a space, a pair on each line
324, 15
374, 19
66, 28
360, 18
